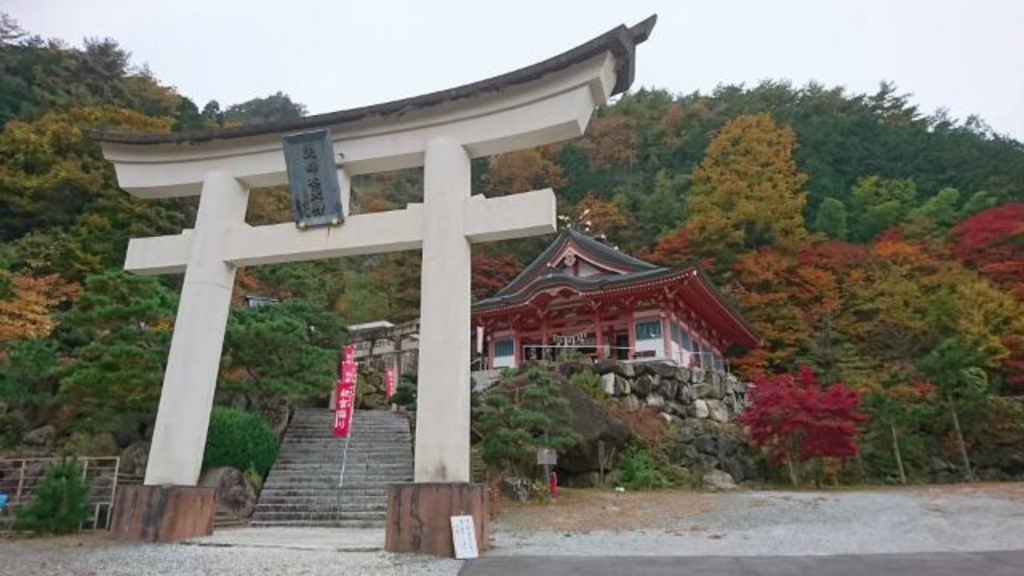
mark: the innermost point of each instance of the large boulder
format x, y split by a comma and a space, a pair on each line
102, 444
718, 411
615, 385
233, 493
718, 480
655, 400
661, 369
569, 368
668, 388
134, 458
643, 385
605, 366
701, 390
41, 437
277, 414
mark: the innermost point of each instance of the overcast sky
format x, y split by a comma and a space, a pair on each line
964, 55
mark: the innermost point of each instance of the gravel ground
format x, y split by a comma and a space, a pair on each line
585, 524
789, 523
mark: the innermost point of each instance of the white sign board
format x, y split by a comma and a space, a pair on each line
546, 457
464, 537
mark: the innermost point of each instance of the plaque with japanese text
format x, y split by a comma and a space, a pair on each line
313, 179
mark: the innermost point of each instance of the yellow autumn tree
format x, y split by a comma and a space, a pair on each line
521, 171
600, 217
747, 192
27, 302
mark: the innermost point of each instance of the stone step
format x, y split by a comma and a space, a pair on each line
302, 487
303, 490
340, 523
332, 486
367, 505
297, 466
319, 499
323, 515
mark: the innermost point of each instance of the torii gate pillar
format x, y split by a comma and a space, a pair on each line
442, 444
537, 105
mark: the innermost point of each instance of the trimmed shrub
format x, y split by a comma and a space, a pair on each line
241, 440
637, 471
61, 502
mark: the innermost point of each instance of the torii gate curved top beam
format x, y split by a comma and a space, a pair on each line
543, 103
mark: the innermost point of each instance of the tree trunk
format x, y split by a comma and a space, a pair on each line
789, 463
896, 452
960, 442
860, 467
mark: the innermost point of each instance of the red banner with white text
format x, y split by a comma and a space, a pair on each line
389, 382
345, 395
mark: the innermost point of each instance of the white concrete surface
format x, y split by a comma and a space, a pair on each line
179, 435
442, 411
553, 108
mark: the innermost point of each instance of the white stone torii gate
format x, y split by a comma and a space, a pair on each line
541, 104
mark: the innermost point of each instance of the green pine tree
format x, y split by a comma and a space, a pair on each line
533, 416
61, 503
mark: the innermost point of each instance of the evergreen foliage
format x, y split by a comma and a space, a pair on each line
240, 439
530, 416
120, 330
636, 470
590, 383
286, 350
61, 502
405, 391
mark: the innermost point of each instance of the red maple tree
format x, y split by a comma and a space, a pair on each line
492, 273
992, 241
796, 420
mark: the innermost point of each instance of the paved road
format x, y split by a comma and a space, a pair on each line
951, 564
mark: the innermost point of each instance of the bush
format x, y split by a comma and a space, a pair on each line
637, 471
12, 427
241, 440
405, 391
61, 503
591, 384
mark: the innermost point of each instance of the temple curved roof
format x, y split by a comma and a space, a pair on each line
623, 273
621, 41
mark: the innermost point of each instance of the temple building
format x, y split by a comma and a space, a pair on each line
581, 297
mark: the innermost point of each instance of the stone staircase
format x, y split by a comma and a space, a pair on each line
302, 487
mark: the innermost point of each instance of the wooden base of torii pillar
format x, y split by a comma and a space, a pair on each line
537, 105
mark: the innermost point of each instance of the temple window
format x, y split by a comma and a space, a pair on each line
706, 360
648, 330
503, 348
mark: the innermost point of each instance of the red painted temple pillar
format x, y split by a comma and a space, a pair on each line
666, 339
631, 331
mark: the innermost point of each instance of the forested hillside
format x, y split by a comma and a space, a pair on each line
878, 245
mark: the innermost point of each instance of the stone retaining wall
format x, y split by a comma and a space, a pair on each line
676, 392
